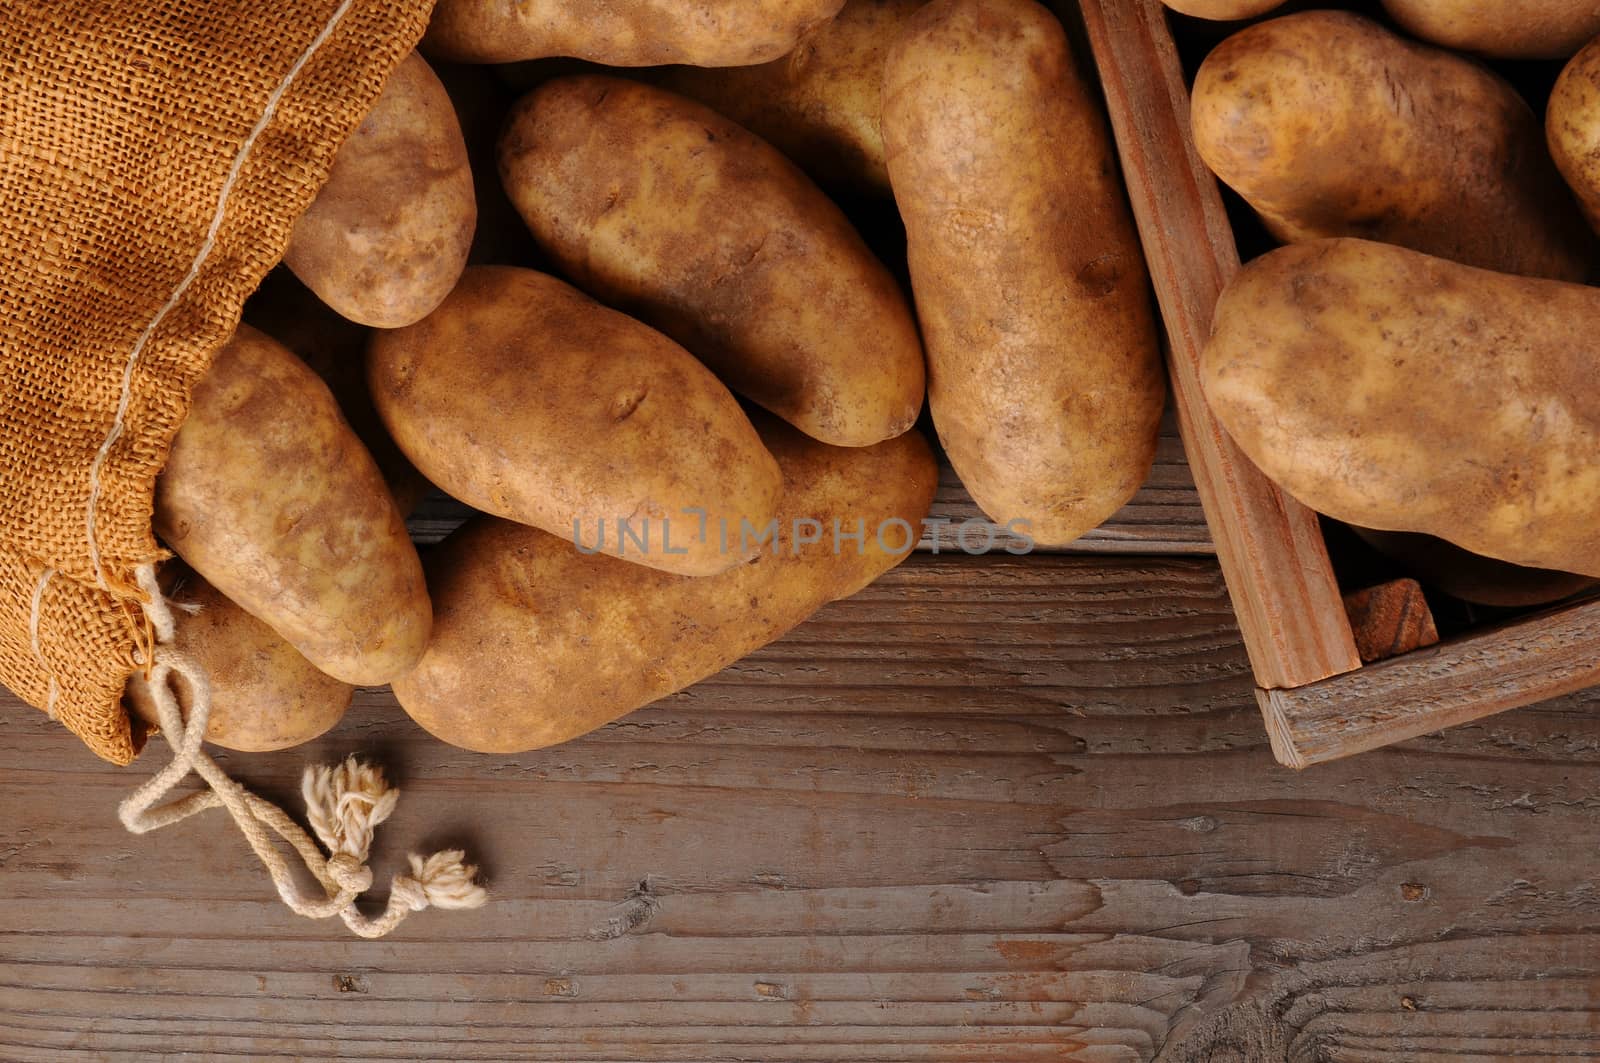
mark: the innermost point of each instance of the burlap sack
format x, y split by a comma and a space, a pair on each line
153, 157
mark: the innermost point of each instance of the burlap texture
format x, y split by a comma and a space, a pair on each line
154, 155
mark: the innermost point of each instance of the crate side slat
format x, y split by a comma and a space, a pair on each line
1271, 549
1540, 657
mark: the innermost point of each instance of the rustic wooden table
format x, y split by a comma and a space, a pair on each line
991, 809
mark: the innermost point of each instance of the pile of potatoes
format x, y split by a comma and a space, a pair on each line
1421, 357
626, 301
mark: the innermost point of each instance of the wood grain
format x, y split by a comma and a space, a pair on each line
1270, 546
1543, 656
985, 811
1163, 518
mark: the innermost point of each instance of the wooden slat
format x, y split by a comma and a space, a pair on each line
1163, 518
1541, 657
1270, 546
988, 810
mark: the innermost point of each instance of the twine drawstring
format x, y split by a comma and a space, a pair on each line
344, 804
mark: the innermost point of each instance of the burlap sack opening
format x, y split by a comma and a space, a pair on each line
154, 155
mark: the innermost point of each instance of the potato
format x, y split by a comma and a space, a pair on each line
270, 496
821, 105
537, 643
264, 694
336, 350
665, 209
1572, 126
525, 398
1330, 125
1044, 374
387, 236
1479, 580
623, 32
1505, 29
1223, 10
1401, 392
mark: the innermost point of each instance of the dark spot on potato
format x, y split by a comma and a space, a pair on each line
1100, 276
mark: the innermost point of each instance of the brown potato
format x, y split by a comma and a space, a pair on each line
270, 496
387, 236
1223, 10
665, 209
1505, 29
524, 398
1330, 125
264, 694
821, 105
1045, 378
1401, 392
1471, 578
336, 350
537, 643
1572, 127
623, 32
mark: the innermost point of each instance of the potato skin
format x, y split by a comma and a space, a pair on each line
822, 104
1223, 10
538, 643
623, 32
1396, 391
270, 496
1479, 580
387, 236
1045, 378
1572, 127
1329, 125
524, 398
264, 694
335, 348
659, 206
1504, 29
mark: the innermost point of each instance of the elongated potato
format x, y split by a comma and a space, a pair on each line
387, 236
335, 348
537, 643
269, 495
264, 694
1223, 10
1044, 375
623, 32
665, 209
1479, 580
1329, 125
822, 104
523, 397
1505, 29
1401, 392
1572, 127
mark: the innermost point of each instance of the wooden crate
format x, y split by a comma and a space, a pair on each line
1319, 701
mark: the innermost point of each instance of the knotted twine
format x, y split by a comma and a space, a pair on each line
344, 803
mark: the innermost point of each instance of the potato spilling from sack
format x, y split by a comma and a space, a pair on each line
389, 233
527, 399
270, 496
670, 212
264, 694
1401, 392
537, 642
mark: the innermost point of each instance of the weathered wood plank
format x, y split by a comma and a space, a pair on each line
987, 810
